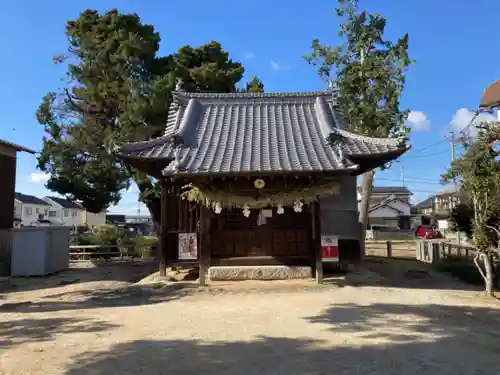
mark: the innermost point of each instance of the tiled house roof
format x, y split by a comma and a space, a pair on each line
390, 190
65, 203
264, 132
427, 203
29, 199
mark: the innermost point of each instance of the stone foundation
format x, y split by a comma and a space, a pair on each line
218, 273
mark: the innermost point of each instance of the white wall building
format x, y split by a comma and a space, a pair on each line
93, 220
391, 212
64, 212
30, 211
67, 213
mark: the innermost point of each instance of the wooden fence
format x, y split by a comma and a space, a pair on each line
431, 251
78, 253
428, 251
404, 249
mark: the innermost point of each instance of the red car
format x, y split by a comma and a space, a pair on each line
427, 231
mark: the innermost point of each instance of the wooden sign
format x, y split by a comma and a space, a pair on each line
188, 246
329, 248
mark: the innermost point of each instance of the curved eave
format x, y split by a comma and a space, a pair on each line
373, 161
387, 142
152, 166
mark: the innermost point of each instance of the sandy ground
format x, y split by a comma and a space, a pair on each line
92, 321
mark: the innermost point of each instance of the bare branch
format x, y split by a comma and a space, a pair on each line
476, 262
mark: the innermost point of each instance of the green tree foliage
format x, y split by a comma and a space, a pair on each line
117, 89
255, 85
478, 172
369, 72
462, 217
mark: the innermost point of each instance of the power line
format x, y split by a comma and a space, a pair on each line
424, 156
410, 181
421, 178
429, 146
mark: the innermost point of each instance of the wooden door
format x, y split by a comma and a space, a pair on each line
263, 234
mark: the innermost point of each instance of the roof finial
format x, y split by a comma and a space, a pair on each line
332, 86
179, 84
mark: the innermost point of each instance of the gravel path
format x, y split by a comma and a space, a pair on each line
289, 328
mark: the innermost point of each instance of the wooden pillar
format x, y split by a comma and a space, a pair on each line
163, 230
389, 249
7, 189
318, 266
204, 245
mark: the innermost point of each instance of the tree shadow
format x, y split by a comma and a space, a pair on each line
80, 273
134, 295
407, 322
442, 340
17, 332
398, 273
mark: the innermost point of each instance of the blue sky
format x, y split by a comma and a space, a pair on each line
453, 41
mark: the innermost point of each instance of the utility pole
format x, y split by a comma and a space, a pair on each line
452, 144
402, 175
452, 140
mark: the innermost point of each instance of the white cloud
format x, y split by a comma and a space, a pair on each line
418, 121
275, 66
39, 177
249, 55
463, 117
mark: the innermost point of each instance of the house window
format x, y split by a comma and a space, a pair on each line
66, 213
52, 214
74, 213
28, 210
37, 210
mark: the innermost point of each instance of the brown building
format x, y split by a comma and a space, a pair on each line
8, 157
264, 178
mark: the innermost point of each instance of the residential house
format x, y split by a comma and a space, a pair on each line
381, 193
30, 211
389, 206
391, 212
425, 207
437, 208
65, 212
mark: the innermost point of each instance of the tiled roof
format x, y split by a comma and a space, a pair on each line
65, 203
390, 190
29, 199
257, 132
385, 203
16, 147
427, 203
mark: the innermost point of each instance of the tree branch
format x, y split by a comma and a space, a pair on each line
476, 258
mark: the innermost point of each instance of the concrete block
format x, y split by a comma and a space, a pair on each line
259, 272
